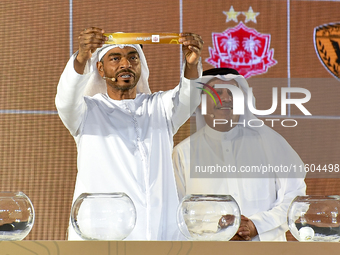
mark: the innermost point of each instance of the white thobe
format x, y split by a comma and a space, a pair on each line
264, 200
126, 146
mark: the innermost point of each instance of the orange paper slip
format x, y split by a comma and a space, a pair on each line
142, 38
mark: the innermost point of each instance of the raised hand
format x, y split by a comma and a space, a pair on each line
89, 40
192, 48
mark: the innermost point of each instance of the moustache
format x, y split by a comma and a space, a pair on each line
225, 106
125, 71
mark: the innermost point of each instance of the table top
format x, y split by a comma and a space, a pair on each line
164, 247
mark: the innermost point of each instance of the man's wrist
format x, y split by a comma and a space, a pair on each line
81, 59
191, 66
79, 64
253, 232
191, 71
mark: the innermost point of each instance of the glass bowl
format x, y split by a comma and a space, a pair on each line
103, 216
16, 216
315, 218
208, 217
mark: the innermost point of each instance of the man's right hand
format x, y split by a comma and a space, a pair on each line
246, 231
89, 40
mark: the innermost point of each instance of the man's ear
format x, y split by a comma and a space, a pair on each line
100, 68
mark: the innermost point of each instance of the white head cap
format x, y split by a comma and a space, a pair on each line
97, 84
243, 85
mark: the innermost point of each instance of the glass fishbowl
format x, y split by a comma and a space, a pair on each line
315, 218
103, 216
208, 217
16, 216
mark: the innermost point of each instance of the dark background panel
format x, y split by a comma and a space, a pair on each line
305, 16
38, 158
34, 49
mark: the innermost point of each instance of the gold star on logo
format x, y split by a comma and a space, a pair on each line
231, 14
250, 15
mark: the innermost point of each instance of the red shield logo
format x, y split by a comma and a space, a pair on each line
243, 49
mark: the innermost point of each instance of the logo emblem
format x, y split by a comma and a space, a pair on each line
208, 92
243, 49
327, 47
155, 38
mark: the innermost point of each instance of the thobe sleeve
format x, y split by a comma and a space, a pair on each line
182, 101
272, 224
69, 100
179, 170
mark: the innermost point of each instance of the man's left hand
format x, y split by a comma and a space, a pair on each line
192, 48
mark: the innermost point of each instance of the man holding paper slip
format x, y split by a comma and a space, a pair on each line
124, 134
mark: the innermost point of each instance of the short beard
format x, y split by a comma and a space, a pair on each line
122, 88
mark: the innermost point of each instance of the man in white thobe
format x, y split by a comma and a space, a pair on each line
124, 135
263, 198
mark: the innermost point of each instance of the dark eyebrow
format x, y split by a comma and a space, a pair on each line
119, 54
133, 52
114, 54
